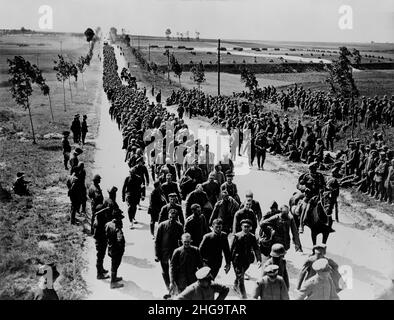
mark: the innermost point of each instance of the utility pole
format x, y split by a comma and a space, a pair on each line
149, 52
218, 67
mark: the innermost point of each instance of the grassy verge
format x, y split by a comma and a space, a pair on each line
36, 229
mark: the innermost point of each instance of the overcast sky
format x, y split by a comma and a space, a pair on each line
297, 20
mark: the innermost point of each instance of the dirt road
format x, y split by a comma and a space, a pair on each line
365, 258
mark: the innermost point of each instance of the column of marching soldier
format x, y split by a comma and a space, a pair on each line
190, 246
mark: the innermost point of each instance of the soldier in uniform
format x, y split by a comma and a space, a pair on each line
66, 148
157, 201
271, 286
95, 195
245, 213
185, 261
320, 286
196, 225
84, 129
203, 288
231, 187
116, 246
315, 183
212, 247
225, 209
197, 196
243, 247
277, 255
101, 218
74, 159
171, 187
212, 189
131, 192
20, 185
76, 128
163, 215
168, 235
261, 146
255, 205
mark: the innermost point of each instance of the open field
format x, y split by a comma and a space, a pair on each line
269, 52
37, 229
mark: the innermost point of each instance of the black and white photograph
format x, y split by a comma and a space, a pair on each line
167, 150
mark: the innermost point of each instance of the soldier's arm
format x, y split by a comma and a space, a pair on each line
235, 222
162, 214
305, 291
226, 250
158, 242
296, 238
256, 248
174, 263
124, 189
258, 290
181, 216
186, 294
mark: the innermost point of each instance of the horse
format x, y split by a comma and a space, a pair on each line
317, 214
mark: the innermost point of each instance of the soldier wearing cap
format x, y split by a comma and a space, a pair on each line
195, 174
131, 193
168, 235
243, 213
320, 286
271, 286
277, 255
95, 195
84, 129
231, 187
75, 192
244, 249
76, 129
74, 159
319, 252
66, 148
142, 171
185, 261
20, 185
381, 172
203, 288
116, 245
163, 215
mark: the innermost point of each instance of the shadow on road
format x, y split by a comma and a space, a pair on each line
132, 289
139, 263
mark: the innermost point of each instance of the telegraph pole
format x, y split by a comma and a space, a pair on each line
218, 67
149, 52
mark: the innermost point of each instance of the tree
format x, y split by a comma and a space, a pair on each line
197, 35
177, 35
356, 57
81, 68
340, 76
153, 66
72, 71
168, 33
61, 69
23, 74
198, 74
89, 34
181, 35
177, 69
187, 36
249, 78
40, 80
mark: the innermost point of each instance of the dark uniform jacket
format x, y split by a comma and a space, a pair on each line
225, 210
244, 214
95, 195
212, 247
196, 292
66, 146
132, 188
163, 216
116, 240
184, 264
142, 172
198, 197
171, 187
242, 249
101, 218
197, 227
271, 290
282, 228
167, 239
212, 189
282, 271
232, 190
256, 209
156, 203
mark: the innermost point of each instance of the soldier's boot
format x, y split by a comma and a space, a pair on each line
102, 276
114, 283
